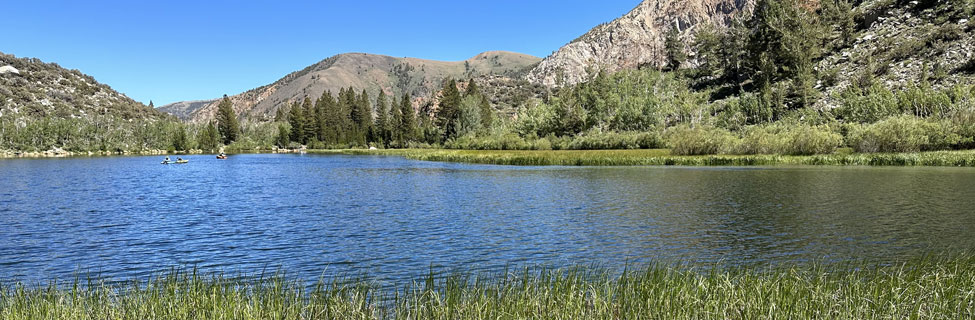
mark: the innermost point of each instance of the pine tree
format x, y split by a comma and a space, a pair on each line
309, 125
407, 119
208, 138
280, 115
382, 119
296, 118
284, 136
484, 105
362, 117
227, 121
180, 142
395, 122
472, 89
487, 113
329, 122
674, 48
448, 112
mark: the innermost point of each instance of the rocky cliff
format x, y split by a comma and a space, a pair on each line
632, 40
370, 72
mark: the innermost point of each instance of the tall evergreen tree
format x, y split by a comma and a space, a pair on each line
296, 118
395, 120
484, 105
487, 113
208, 139
283, 138
329, 122
382, 119
180, 142
407, 119
362, 117
309, 125
674, 48
448, 112
227, 121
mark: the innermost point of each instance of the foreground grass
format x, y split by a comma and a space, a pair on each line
937, 288
663, 157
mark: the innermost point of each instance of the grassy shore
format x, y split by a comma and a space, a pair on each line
936, 288
663, 157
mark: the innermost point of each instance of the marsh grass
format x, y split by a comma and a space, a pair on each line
663, 157
929, 288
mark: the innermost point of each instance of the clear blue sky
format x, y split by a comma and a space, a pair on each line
168, 51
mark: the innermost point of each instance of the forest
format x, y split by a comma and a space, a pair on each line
756, 87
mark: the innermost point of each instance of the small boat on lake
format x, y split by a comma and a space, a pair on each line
222, 156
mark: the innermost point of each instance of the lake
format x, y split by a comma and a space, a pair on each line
393, 218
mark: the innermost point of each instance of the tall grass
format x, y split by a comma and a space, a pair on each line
933, 288
663, 157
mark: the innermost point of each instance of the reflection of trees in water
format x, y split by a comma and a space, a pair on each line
779, 215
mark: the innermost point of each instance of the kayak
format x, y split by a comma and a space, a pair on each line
182, 161
222, 157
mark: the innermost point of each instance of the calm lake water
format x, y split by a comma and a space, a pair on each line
393, 218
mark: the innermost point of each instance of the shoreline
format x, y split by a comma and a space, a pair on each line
934, 287
662, 157
594, 158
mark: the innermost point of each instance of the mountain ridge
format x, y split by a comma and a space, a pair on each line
361, 71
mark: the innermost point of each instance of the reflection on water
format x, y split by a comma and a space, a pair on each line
394, 218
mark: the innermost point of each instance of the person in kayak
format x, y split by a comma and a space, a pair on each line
167, 159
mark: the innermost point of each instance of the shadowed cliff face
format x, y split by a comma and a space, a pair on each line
633, 40
395, 76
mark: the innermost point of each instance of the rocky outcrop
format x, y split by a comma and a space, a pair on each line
9, 69
361, 71
633, 40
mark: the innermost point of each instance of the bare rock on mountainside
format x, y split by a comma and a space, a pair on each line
361, 71
633, 40
31, 89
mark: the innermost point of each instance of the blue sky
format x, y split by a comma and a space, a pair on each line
168, 51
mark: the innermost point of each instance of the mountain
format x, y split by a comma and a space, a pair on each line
31, 89
632, 40
396, 76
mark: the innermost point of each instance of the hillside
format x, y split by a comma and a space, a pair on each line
47, 108
633, 40
420, 78
31, 89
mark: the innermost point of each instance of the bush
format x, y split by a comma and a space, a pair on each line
685, 140
867, 105
902, 134
615, 140
810, 140
505, 141
759, 140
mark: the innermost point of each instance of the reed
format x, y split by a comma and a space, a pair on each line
928, 288
663, 157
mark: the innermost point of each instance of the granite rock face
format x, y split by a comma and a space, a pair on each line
634, 39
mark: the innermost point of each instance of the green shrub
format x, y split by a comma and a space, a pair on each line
615, 140
699, 140
759, 140
810, 140
867, 105
902, 134
924, 101
505, 141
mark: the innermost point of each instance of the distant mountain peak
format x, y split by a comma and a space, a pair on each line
361, 71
